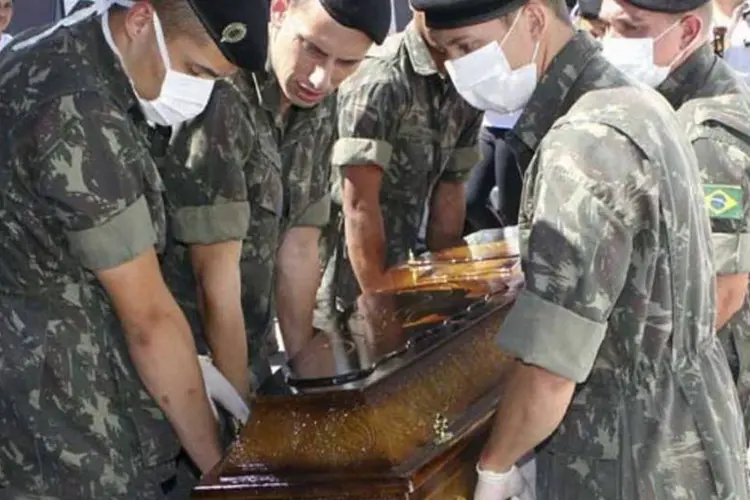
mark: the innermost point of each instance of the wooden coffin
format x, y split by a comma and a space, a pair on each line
394, 402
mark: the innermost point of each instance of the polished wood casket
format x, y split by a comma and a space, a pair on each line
393, 401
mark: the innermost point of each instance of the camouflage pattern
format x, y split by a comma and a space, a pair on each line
578, 68
398, 112
294, 148
80, 193
206, 191
283, 161
714, 105
615, 243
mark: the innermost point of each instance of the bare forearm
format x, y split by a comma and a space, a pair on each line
296, 286
731, 291
225, 334
447, 216
529, 413
366, 246
164, 355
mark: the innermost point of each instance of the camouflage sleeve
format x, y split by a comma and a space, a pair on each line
466, 155
90, 169
369, 107
725, 167
318, 212
577, 249
205, 178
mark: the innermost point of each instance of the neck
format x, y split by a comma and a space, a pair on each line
117, 27
284, 104
555, 41
727, 7
437, 57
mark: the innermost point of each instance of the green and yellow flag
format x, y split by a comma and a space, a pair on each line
723, 202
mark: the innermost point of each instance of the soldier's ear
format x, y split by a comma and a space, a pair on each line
278, 9
692, 27
139, 19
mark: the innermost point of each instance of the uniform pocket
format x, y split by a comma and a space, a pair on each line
581, 459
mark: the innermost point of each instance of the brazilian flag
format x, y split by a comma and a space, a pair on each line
723, 202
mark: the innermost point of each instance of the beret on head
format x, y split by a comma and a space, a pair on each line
589, 9
447, 14
371, 17
668, 6
239, 28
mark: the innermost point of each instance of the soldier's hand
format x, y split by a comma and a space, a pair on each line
499, 486
221, 391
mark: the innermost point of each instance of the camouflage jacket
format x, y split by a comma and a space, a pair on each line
290, 183
714, 105
206, 190
399, 113
619, 297
243, 153
80, 193
540, 114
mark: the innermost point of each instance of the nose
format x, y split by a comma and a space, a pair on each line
320, 78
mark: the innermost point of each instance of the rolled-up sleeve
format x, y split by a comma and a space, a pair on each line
466, 155
577, 253
91, 170
205, 176
369, 107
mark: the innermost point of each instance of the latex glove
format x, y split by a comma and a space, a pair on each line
499, 486
221, 391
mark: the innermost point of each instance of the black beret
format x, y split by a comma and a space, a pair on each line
670, 6
589, 9
239, 28
447, 14
371, 17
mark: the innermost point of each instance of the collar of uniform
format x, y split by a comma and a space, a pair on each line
108, 63
268, 89
684, 81
418, 52
269, 95
550, 94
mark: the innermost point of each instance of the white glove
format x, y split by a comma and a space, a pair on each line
221, 391
499, 486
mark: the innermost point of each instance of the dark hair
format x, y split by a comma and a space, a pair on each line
178, 18
558, 7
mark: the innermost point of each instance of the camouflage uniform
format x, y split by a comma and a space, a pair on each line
285, 166
206, 191
619, 296
295, 148
399, 113
80, 193
714, 105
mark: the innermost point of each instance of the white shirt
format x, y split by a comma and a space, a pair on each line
5, 40
497, 120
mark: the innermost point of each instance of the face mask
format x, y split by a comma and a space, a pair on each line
485, 79
635, 58
182, 97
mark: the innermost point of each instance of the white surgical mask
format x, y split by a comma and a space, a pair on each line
635, 58
485, 79
182, 97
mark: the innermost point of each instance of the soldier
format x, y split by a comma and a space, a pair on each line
265, 140
407, 143
670, 42
589, 14
99, 380
621, 383
731, 28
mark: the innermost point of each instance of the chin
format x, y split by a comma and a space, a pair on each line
302, 103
